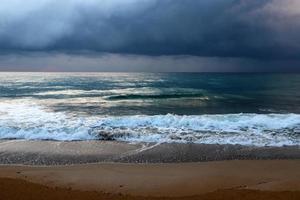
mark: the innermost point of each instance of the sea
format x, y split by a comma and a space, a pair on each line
259, 109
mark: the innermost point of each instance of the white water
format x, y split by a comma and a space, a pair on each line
27, 120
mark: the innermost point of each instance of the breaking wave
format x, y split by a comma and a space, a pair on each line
244, 129
25, 120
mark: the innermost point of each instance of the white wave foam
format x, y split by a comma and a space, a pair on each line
25, 120
74, 92
22, 119
245, 129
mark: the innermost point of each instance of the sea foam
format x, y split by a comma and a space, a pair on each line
26, 120
245, 129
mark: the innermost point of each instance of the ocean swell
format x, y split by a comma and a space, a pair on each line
152, 96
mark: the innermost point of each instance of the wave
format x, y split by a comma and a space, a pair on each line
152, 96
26, 120
244, 129
22, 119
126, 93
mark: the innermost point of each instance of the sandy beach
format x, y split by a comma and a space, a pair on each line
116, 170
259, 179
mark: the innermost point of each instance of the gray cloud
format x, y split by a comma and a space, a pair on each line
250, 29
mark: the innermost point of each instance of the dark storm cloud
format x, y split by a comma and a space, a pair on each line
256, 29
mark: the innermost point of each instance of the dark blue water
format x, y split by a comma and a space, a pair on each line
254, 109
157, 93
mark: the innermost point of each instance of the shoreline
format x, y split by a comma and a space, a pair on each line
84, 152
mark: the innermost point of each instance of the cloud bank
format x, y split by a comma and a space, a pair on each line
244, 33
233, 28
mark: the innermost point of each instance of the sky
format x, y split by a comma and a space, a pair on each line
150, 35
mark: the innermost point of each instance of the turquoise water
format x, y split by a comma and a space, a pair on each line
251, 109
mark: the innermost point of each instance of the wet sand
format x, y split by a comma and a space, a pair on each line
181, 180
62, 153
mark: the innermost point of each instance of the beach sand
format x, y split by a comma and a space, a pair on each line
248, 179
116, 170
21, 190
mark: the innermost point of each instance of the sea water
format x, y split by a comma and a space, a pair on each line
246, 109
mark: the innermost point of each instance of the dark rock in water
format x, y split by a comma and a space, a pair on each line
105, 135
175, 137
297, 130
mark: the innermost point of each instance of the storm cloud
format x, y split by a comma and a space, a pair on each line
150, 35
260, 29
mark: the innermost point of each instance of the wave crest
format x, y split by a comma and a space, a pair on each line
245, 129
24, 120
